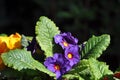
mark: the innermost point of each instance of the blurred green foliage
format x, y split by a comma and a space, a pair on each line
83, 17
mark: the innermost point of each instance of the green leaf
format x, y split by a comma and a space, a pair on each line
95, 46
45, 31
24, 41
3, 35
91, 69
73, 76
22, 59
118, 69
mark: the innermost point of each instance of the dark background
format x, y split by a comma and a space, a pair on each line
82, 18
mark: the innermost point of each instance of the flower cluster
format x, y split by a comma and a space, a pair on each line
9, 43
61, 63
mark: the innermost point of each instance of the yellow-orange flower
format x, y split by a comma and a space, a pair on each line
9, 43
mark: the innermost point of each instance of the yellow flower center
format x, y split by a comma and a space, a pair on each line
70, 55
56, 67
65, 44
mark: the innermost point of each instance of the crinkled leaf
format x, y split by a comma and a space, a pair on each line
95, 46
91, 69
22, 59
45, 31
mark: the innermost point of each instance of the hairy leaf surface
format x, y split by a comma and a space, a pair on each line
91, 69
45, 31
95, 46
22, 59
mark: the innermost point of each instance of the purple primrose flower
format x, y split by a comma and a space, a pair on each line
72, 54
57, 64
61, 63
65, 40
